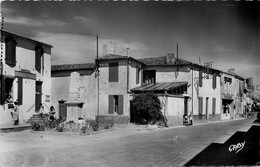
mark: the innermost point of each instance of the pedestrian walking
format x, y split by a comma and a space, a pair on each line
16, 113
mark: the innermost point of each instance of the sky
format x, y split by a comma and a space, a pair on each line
224, 33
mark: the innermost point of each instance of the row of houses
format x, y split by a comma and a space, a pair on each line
106, 87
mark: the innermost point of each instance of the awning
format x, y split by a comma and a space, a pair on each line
159, 86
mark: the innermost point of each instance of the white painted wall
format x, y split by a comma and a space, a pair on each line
25, 57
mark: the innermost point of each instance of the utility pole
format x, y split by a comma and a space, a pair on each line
1, 64
97, 66
192, 89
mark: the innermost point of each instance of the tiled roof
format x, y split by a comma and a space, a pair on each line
159, 86
113, 56
14, 34
72, 67
159, 61
117, 57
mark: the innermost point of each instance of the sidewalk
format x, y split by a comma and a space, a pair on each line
126, 145
15, 128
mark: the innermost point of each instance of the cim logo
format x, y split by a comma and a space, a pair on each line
236, 147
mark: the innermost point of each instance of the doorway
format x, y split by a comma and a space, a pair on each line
186, 99
62, 109
207, 106
38, 95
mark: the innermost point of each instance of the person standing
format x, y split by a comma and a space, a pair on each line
51, 113
16, 113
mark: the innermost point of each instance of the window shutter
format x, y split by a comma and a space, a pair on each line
10, 52
20, 90
137, 75
38, 57
213, 105
200, 105
200, 78
113, 72
110, 104
120, 104
2, 89
214, 81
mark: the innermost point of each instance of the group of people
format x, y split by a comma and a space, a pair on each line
187, 119
15, 112
50, 114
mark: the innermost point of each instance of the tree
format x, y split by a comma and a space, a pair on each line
147, 108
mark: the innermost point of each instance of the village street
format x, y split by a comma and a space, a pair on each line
124, 146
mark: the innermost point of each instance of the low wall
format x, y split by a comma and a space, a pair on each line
116, 119
214, 117
199, 119
174, 120
203, 118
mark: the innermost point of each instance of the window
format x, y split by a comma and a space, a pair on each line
200, 105
10, 51
214, 81
149, 76
115, 104
113, 72
200, 78
38, 57
213, 105
137, 75
20, 90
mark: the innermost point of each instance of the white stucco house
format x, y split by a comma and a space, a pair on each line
25, 76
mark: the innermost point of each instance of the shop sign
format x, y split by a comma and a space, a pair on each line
228, 97
226, 79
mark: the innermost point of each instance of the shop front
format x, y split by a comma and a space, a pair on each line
227, 107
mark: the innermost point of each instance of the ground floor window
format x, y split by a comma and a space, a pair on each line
7, 90
115, 104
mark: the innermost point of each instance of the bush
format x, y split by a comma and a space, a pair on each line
36, 126
147, 108
93, 125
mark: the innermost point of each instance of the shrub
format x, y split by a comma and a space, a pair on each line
60, 127
93, 125
147, 108
36, 126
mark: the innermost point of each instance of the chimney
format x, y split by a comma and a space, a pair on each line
104, 50
231, 70
170, 58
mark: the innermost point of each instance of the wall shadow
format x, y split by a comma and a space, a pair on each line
243, 148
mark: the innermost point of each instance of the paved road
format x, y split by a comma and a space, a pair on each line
122, 147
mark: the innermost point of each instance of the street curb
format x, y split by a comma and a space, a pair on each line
74, 133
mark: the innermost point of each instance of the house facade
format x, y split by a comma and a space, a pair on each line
88, 90
233, 95
199, 97
74, 91
25, 76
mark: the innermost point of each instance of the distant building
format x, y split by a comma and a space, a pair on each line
25, 76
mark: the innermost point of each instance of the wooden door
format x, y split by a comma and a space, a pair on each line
38, 95
62, 110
